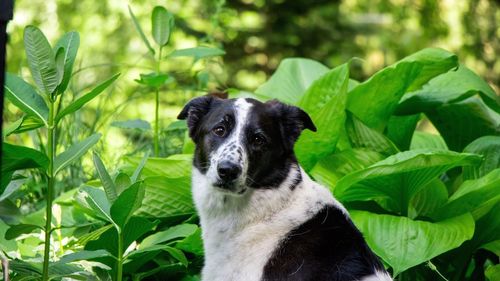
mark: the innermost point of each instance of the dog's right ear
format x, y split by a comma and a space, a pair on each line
194, 110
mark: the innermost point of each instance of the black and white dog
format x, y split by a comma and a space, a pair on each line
262, 217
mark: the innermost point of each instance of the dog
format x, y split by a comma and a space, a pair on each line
262, 217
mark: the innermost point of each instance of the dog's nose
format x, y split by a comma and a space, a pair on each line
228, 171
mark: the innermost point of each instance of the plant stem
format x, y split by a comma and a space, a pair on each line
51, 151
119, 262
156, 139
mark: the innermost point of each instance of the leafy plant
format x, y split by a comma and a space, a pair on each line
51, 69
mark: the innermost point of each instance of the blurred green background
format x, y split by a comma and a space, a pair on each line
255, 34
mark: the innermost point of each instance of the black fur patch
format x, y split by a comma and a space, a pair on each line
327, 247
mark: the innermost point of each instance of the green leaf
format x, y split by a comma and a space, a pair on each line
329, 119
122, 181
404, 243
175, 232
400, 130
11, 187
423, 140
16, 157
40, 60
162, 24
94, 235
16, 230
94, 199
153, 79
292, 78
137, 124
428, 200
332, 168
447, 88
127, 203
70, 42
22, 95
83, 255
74, 152
138, 170
174, 166
139, 30
192, 243
167, 197
24, 124
462, 122
177, 254
59, 61
472, 196
386, 87
106, 181
198, 53
492, 272
489, 147
81, 101
362, 136
396, 179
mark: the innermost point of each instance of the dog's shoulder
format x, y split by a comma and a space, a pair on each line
326, 247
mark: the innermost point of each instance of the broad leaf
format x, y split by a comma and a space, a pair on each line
16, 157
138, 170
153, 79
175, 232
74, 152
329, 119
174, 166
16, 230
41, 60
167, 197
428, 200
492, 272
450, 87
192, 243
127, 203
139, 30
83, 255
385, 88
462, 122
331, 169
292, 78
198, 52
396, 179
137, 124
422, 140
162, 24
70, 42
81, 101
473, 196
94, 235
400, 130
22, 95
106, 181
362, 136
23, 124
122, 181
92, 198
403, 243
489, 147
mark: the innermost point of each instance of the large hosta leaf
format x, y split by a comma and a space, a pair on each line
489, 147
41, 59
462, 122
449, 87
174, 166
428, 200
422, 140
167, 197
400, 130
403, 243
385, 88
394, 180
329, 119
292, 78
22, 95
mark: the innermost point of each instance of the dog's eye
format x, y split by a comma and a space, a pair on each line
258, 140
219, 131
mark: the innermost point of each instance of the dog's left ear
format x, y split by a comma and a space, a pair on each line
194, 111
293, 121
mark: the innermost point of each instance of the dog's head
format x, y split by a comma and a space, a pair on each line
244, 143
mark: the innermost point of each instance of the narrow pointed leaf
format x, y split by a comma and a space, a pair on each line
22, 95
127, 203
41, 59
198, 53
81, 101
137, 172
94, 199
70, 42
59, 61
23, 124
83, 255
175, 232
139, 30
106, 181
404, 243
162, 24
74, 152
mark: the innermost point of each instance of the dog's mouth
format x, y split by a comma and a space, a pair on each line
232, 187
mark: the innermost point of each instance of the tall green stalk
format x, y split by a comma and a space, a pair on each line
156, 138
119, 263
51, 153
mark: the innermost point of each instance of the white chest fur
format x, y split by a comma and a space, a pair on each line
241, 233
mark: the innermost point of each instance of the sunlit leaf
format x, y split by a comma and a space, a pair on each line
139, 30
22, 95
422, 140
198, 52
175, 232
489, 147
162, 24
106, 181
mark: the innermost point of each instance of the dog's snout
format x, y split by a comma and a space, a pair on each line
228, 171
